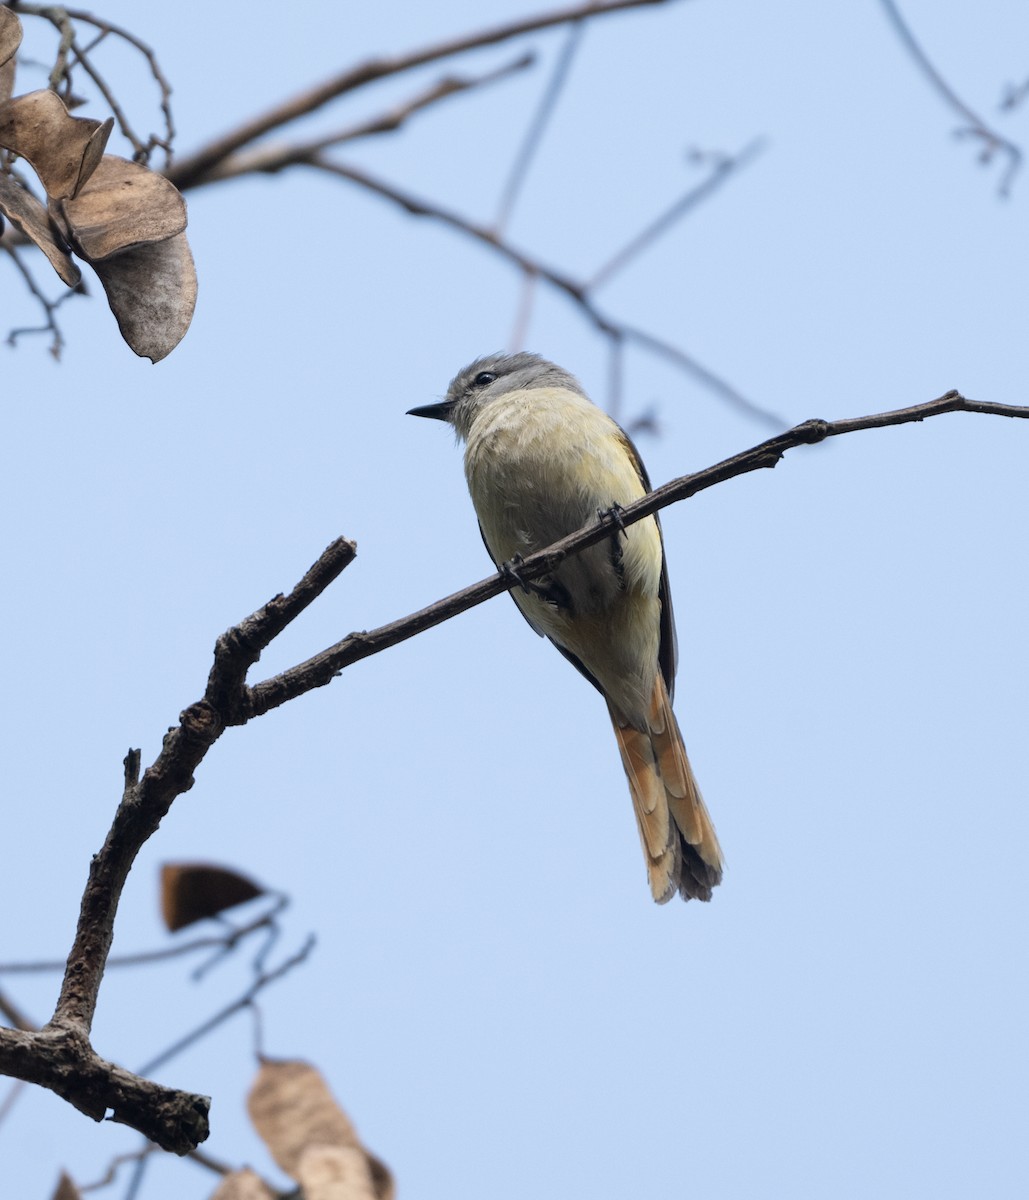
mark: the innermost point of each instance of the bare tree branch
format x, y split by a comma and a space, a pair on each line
59, 1056
62, 1060
189, 171
263, 980
534, 268
991, 141
62, 19
13, 1015
724, 166
541, 118
271, 159
49, 307
222, 943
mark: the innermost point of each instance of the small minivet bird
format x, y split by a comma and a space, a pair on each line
543, 461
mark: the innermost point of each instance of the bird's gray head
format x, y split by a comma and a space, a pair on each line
487, 378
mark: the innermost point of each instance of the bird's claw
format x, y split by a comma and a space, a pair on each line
509, 570
613, 516
541, 591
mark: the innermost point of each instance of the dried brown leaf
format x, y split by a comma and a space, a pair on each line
10, 40
121, 206
26, 214
335, 1173
292, 1108
382, 1177
192, 891
66, 1189
10, 35
6, 75
242, 1185
152, 291
63, 149
93, 153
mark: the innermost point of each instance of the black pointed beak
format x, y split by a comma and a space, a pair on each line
438, 412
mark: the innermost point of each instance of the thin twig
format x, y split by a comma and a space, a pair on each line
570, 288
14, 1094
520, 330
116, 1163
139, 147
189, 171
49, 307
215, 1165
61, 18
13, 1015
615, 375
537, 126
221, 943
977, 127
1014, 96
725, 166
272, 159
139, 1169
245, 1001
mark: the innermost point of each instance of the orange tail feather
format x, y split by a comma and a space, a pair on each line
679, 841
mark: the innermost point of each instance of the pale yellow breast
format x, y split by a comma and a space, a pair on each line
541, 464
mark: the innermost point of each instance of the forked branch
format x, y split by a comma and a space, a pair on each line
60, 1056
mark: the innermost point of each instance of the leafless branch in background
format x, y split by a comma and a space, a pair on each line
230, 156
263, 980
48, 306
1014, 95
526, 152
534, 269
991, 143
191, 170
63, 19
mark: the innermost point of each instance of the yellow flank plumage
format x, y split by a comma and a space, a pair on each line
541, 462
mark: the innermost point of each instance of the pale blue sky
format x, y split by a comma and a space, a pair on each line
494, 998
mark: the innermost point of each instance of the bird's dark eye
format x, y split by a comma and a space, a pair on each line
484, 379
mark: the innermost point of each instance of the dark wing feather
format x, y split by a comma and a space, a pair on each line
668, 649
528, 620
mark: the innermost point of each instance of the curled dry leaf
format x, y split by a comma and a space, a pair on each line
26, 214
10, 40
66, 1189
192, 891
6, 76
242, 1185
64, 150
10, 34
382, 1177
292, 1108
335, 1173
125, 219
152, 291
122, 205
298, 1119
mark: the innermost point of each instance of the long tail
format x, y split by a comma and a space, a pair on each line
679, 840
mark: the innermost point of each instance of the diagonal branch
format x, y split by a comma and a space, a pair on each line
537, 127
977, 127
724, 166
534, 268
189, 171
274, 158
60, 1056
323, 667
